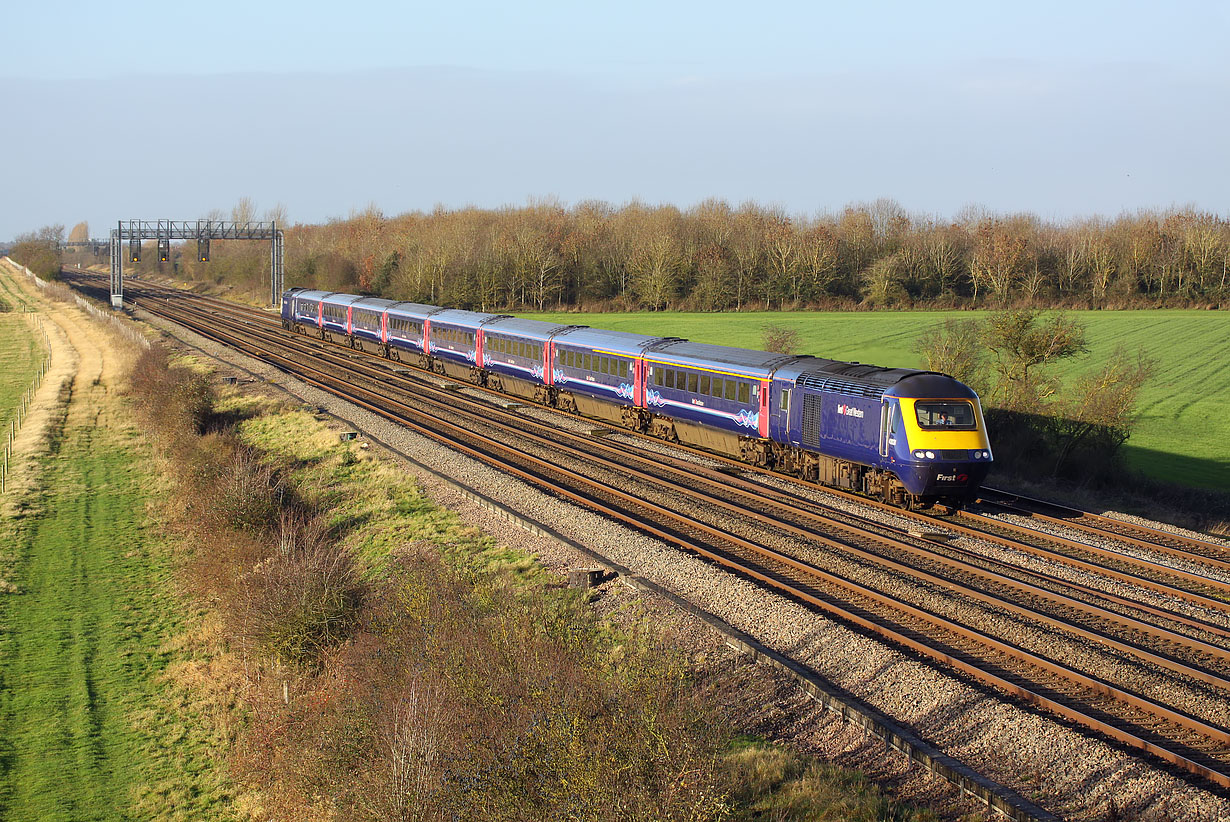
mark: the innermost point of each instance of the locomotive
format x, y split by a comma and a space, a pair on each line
913, 438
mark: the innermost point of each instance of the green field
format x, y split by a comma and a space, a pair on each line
20, 354
1184, 430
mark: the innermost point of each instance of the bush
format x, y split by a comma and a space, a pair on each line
780, 339
302, 599
1038, 428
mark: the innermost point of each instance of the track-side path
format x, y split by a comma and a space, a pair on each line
86, 731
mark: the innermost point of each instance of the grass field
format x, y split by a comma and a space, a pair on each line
20, 353
1184, 430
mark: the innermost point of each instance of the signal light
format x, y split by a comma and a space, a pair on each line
202, 249
164, 249
134, 251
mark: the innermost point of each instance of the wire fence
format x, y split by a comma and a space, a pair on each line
107, 316
23, 407
126, 330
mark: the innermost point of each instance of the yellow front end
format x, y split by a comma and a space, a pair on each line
934, 440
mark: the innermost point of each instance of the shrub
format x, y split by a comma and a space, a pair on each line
303, 598
780, 339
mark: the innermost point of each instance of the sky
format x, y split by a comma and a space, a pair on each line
142, 110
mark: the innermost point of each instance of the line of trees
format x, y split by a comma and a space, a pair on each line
717, 257
39, 251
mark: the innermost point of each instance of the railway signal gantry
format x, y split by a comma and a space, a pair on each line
164, 231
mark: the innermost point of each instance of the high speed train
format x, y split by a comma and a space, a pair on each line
912, 438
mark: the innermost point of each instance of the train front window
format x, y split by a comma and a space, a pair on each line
941, 416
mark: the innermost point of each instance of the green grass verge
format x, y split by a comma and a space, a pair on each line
89, 728
380, 508
20, 354
377, 507
1184, 431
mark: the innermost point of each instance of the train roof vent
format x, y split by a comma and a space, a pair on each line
821, 382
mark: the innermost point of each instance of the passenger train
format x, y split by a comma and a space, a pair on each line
912, 438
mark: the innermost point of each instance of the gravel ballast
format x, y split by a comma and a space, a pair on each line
1055, 766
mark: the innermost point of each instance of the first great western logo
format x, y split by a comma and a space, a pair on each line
849, 411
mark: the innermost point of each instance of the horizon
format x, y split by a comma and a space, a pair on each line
1060, 112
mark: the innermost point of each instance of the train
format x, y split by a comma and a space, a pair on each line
915, 439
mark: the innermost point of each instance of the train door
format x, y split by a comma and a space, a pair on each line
781, 406
886, 416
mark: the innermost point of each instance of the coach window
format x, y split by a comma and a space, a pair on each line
745, 392
731, 389
658, 376
693, 382
704, 383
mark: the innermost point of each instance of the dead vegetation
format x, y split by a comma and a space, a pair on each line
444, 681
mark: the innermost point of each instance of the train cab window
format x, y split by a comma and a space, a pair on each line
693, 382
939, 416
745, 393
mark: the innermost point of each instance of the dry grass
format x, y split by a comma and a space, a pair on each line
395, 664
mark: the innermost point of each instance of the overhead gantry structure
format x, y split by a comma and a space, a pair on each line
134, 232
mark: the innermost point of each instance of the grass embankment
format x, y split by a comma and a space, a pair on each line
1183, 435
20, 354
90, 728
401, 665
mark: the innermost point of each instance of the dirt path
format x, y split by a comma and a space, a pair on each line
51, 397
85, 730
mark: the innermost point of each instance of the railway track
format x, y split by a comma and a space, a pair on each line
1190, 549
830, 555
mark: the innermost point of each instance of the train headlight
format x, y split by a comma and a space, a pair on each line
919, 455
930, 455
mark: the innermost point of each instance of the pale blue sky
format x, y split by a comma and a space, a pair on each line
157, 110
